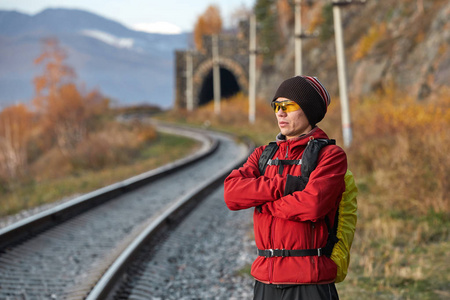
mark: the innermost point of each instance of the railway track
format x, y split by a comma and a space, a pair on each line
206, 256
83, 247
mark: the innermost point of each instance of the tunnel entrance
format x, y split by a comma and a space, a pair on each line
228, 86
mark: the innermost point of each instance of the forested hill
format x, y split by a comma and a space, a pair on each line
402, 43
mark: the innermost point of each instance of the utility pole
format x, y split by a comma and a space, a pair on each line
298, 37
216, 73
252, 71
189, 81
342, 75
341, 65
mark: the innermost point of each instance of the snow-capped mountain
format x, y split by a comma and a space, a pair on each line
126, 65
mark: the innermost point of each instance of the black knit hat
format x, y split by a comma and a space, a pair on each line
307, 92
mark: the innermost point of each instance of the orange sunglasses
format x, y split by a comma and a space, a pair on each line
286, 106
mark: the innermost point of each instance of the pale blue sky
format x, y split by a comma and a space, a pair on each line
182, 14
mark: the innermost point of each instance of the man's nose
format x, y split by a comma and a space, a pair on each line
280, 112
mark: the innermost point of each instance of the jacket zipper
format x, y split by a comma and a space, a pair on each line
272, 233
286, 157
271, 262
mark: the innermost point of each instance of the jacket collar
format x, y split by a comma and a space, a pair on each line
303, 139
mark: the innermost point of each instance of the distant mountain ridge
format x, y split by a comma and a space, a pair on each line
126, 65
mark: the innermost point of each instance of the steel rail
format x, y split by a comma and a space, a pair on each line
110, 280
37, 223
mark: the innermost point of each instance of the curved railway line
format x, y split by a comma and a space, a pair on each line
86, 248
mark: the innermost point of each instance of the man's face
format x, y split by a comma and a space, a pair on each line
294, 123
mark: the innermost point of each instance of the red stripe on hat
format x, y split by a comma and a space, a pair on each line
320, 89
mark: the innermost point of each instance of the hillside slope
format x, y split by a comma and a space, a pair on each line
387, 42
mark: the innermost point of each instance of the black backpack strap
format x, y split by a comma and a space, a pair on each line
284, 162
309, 163
311, 154
332, 235
267, 154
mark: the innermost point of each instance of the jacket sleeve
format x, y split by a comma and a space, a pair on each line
321, 194
245, 188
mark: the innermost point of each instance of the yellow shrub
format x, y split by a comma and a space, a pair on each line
367, 42
405, 144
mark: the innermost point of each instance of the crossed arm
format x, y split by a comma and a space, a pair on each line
245, 188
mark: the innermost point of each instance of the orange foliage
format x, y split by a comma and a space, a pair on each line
210, 22
285, 15
55, 74
284, 9
15, 129
317, 20
367, 42
65, 112
405, 144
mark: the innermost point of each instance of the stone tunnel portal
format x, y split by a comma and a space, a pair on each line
228, 86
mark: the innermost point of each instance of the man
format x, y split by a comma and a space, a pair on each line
288, 216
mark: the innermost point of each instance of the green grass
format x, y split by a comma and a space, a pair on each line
244, 271
166, 148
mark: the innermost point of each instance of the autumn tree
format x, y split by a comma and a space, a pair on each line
210, 22
238, 15
64, 110
15, 130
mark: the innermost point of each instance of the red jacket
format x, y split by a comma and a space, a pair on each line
294, 221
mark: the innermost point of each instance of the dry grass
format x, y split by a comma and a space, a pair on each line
117, 152
400, 156
233, 118
400, 160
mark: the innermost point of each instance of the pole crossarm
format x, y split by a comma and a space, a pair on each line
307, 35
347, 2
